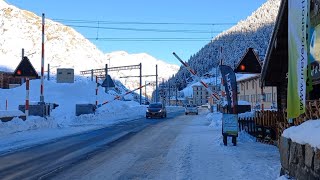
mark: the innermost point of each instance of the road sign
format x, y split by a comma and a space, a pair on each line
108, 82
25, 69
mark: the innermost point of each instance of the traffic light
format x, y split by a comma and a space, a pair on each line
25, 69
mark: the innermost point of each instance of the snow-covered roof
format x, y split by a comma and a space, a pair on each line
243, 77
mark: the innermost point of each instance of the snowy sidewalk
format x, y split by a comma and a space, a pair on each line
199, 153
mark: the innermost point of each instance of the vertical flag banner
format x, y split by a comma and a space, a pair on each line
315, 32
298, 57
230, 84
314, 40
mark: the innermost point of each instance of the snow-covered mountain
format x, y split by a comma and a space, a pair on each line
121, 58
255, 32
64, 47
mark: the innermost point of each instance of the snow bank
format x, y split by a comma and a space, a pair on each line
10, 113
66, 96
306, 133
33, 123
282, 178
245, 137
215, 119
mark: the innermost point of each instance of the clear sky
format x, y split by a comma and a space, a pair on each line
117, 32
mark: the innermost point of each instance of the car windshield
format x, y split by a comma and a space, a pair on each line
155, 105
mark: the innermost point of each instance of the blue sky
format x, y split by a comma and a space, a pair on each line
120, 12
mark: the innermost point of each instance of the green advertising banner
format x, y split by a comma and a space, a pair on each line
298, 57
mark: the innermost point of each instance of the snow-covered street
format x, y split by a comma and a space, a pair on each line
187, 147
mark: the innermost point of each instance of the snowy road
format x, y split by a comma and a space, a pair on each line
182, 148
43, 161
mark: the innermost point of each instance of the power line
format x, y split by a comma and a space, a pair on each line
139, 22
146, 30
172, 39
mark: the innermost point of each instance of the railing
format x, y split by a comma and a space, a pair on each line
248, 125
267, 126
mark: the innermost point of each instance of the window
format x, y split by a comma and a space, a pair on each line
252, 84
247, 85
268, 97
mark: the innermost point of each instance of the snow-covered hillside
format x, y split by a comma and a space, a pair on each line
255, 32
121, 58
64, 47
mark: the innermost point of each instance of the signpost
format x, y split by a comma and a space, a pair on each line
230, 120
230, 127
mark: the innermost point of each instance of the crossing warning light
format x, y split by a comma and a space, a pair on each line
19, 72
25, 69
242, 67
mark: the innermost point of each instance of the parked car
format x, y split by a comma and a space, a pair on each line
191, 109
156, 110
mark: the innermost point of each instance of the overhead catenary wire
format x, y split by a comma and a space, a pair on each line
170, 39
99, 25
146, 29
139, 22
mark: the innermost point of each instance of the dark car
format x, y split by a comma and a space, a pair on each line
156, 110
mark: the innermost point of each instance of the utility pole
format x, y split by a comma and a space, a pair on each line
22, 54
42, 62
140, 83
169, 92
48, 72
176, 95
145, 92
106, 73
156, 83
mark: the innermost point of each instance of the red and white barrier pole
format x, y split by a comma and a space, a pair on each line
6, 104
27, 98
97, 90
194, 75
121, 96
42, 62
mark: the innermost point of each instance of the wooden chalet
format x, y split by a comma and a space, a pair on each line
274, 73
6, 78
24, 70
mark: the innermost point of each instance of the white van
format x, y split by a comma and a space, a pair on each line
191, 109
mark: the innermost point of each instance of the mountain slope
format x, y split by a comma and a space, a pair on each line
255, 32
121, 58
64, 47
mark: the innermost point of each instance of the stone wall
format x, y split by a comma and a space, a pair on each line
299, 161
